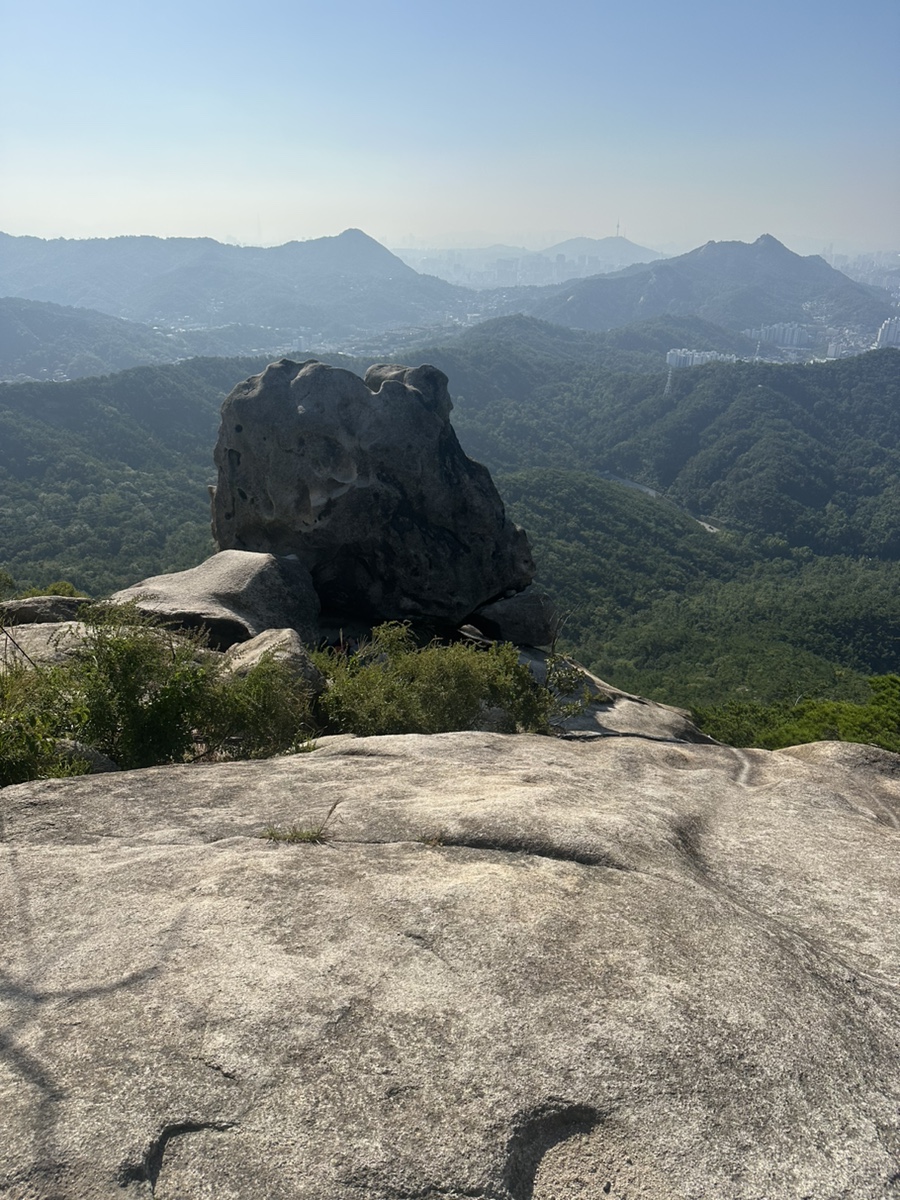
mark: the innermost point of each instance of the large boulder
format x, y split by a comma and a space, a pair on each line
234, 596
519, 968
366, 483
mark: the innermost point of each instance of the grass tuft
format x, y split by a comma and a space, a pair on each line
313, 835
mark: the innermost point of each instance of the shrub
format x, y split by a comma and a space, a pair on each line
134, 690
143, 696
61, 587
393, 686
28, 747
264, 712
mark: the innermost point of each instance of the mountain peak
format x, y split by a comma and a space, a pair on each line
771, 245
351, 251
735, 284
358, 235
766, 249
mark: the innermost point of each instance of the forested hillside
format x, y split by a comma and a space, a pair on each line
810, 453
519, 354
103, 481
657, 604
45, 341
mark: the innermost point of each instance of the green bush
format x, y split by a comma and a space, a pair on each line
265, 712
61, 587
774, 726
28, 747
393, 686
27, 750
143, 696
134, 690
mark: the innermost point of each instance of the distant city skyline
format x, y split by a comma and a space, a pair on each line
458, 124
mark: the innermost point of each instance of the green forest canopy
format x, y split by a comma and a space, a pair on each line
103, 482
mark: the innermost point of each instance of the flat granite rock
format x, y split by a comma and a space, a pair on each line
39, 610
41, 643
234, 595
521, 968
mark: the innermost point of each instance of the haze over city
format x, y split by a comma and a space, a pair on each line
453, 124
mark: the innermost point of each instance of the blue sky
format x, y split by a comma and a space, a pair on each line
464, 123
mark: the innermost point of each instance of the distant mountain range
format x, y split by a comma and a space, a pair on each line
613, 253
733, 284
348, 291
486, 267
326, 287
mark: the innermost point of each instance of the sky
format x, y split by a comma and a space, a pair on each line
432, 123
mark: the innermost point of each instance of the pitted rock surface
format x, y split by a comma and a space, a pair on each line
368, 487
520, 969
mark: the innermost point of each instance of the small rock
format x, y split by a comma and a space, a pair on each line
527, 618
284, 646
72, 751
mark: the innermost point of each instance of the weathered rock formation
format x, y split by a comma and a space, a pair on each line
234, 595
41, 610
521, 969
366, 483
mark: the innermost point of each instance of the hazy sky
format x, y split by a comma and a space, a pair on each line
437, 123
